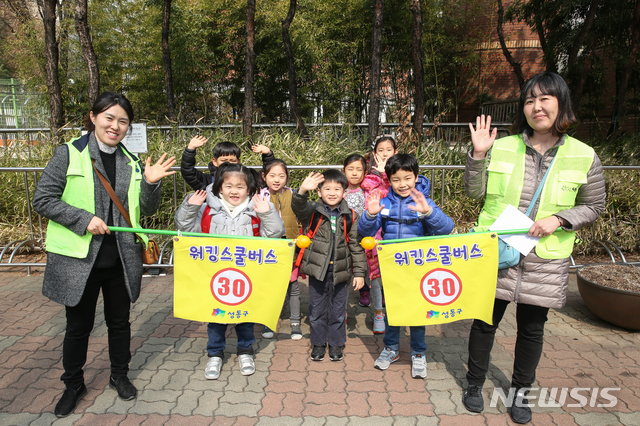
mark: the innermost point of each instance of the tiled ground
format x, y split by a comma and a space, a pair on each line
288, 388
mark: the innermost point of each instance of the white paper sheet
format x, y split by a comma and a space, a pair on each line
512, 218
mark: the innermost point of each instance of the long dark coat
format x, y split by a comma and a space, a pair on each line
65, 277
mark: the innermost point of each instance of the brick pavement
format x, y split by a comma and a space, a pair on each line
289, 389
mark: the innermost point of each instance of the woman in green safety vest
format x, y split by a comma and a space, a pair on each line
83, 255
563, 179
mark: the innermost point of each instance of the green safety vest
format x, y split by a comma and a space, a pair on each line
506, 179
79, 192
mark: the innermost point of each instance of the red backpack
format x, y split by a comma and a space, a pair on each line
314, 224
205, 223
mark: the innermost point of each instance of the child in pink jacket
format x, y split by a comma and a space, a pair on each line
377, 181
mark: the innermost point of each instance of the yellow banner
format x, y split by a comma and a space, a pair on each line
437, 281
231, 281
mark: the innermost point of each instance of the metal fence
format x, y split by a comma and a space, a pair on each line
437, 175
18, 108
501, 111
451, 133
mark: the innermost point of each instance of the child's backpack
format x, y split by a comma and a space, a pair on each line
386, 205
205, 223
314, 224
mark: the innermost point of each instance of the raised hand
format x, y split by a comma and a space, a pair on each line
380, 163
311, 182
373, 203
482, 136
197, 142
260, 149
198, 197
160, 169
422, 205
260, 204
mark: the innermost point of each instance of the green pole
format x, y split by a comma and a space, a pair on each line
400, 240
407, 240
185, 234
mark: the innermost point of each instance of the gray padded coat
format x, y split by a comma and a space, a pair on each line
316, 257
66, 277
189, 217
536, 281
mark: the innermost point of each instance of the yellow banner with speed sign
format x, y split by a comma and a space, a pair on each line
229, 281
440, 280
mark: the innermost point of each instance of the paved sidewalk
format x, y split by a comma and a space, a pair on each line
289, 389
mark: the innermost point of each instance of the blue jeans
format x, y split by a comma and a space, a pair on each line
392, 338
217, 341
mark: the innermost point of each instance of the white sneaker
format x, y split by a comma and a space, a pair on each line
247, 366
386, 358
418, 366
267, 333
212, 370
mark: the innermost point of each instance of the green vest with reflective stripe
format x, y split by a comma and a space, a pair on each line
506, 179
79, 192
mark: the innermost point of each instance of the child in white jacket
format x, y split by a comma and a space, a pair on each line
232, 208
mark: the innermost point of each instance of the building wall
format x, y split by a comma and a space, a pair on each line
495, 79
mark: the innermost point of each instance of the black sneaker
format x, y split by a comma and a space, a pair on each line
472, 399
124, 387
335, 353
317, 353
69, 400
520, 411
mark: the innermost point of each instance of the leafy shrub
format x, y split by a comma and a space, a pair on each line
326, 146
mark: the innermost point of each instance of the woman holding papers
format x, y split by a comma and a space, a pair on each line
563, 179
84, 257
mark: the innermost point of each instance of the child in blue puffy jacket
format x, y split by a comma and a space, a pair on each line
406, 212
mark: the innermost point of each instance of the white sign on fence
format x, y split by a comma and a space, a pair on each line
136, 139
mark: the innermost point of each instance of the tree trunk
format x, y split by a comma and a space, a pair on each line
166, 58
549, 55
56, 120
621, 89
63, 40
582, 35
376, 68
301, 128
84, 34
247, 116
517, 68
418, 72
576, 93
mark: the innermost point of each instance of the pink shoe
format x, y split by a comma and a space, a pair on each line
378, 324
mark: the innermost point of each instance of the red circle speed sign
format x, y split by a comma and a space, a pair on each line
231, 286
441, 287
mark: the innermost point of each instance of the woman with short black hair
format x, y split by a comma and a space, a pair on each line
84, 257
509, 171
